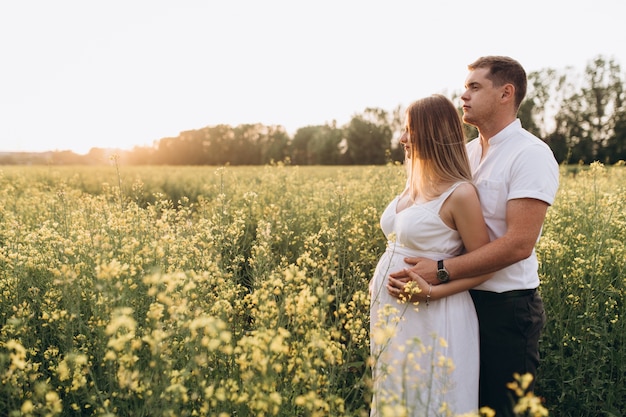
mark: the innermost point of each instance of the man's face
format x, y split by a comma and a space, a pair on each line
480, 98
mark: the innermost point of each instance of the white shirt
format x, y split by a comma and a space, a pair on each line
517, 165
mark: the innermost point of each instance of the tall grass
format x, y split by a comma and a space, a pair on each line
582, 265
243, 291
251, 300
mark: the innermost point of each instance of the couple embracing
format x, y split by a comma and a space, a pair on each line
455, 308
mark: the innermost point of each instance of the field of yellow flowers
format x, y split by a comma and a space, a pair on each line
242, 291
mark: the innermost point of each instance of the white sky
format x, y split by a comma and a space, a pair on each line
77, 74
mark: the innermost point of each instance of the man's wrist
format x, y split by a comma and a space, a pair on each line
442, 273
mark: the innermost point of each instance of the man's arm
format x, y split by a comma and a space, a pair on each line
524, 218
463, 212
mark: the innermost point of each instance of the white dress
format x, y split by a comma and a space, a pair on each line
424, 356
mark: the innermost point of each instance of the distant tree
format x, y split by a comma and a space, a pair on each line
546, 91
243, 147
66, 158
140, 155
559, 145
96, 156
615, 149
257, 144
525, 114
299, 152
589, 115
582, 118
368, 137
9, 158
324, 148
318, 145
190, 148
218, 144
166, 153
273, 143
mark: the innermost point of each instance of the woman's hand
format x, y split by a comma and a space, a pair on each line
410, 287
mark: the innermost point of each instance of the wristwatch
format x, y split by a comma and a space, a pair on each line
442, 273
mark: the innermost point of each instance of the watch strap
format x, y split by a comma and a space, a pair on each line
440, 264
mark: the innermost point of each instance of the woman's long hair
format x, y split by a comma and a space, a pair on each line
437, 153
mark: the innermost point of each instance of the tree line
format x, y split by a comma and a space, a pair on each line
581, 116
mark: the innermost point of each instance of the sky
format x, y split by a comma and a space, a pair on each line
78, 74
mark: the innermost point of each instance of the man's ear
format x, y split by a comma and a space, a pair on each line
508, 92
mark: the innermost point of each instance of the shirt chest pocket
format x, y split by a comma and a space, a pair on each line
493, 198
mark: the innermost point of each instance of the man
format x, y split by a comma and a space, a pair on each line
517, 179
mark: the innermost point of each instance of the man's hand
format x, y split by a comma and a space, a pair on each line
424, 267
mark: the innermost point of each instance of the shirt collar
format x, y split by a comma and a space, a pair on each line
506, 132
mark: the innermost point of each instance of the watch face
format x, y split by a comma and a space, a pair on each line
442, 275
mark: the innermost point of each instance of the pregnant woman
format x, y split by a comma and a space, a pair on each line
424, 339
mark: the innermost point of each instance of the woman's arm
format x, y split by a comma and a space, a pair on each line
402, 290
461, 211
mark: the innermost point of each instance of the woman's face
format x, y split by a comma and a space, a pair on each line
405, 141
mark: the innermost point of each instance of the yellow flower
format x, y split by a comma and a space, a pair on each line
383, 334
53, 401
487, 412
63, 371
18, 356
27, 407
443, 343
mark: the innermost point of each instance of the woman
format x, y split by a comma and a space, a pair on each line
426, 356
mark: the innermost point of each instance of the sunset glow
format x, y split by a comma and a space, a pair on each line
78, 75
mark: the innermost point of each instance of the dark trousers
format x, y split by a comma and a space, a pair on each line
510, 326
